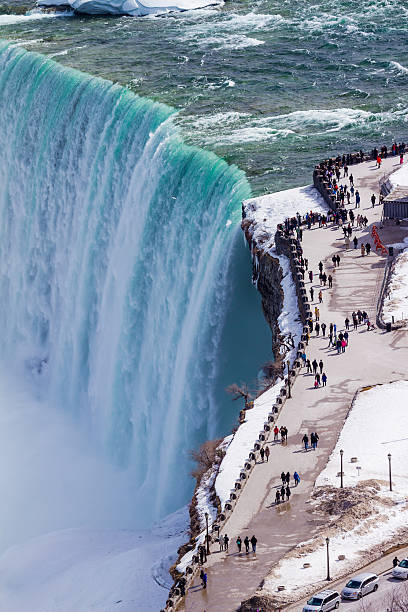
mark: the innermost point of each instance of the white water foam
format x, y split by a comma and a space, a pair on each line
402, 69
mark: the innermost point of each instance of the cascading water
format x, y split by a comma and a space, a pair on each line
114, 250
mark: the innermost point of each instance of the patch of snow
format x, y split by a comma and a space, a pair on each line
399, 178
267, 211
370, 435
396, 298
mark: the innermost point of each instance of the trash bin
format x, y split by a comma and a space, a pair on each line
391, 251
388, 327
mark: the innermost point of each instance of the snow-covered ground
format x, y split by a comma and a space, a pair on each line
399, 178
376, 425
266, 212
78, 570
396, 297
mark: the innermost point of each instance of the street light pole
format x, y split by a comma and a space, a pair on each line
207, 537
288, 364
328, 560
389, 468
341, 468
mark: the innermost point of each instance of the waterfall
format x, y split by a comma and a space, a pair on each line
114, 251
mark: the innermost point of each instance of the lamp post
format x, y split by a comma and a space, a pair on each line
288, 364
389, 468
341, 468
207, 536
328, 560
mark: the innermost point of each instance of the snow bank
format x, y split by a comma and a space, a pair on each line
399, 178
266, 212
369, 436
396, 297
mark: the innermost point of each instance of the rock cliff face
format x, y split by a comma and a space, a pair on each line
269, 279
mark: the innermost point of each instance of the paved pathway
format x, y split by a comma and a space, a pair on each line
372, 357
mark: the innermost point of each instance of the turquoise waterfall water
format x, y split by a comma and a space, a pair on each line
114, 251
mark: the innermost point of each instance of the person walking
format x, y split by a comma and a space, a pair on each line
253, 542
277, 497
347, 322
330, 279
288, 493
316, 437
313, 441
311, 291
314, 364
267, 453
358, 199
321, 366
287, 479
338, 261
283, 477
262, 453
320, 296
317, 313
346, 337
324, 379
323, 326
203, 577
355, 242
239, 543
305, 441
311, 276
373, 198
368, 248
282, 492
275, 433
317, 380
246, 542
221, 541
395, 561
296, 478
320, 266
226, 542
362, 250
309, 367
317, 328
343, 345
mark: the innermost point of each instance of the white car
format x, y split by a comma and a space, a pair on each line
322, 602
401, 571
360, 585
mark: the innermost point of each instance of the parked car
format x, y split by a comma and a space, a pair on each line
360, 585
323, 601
401, 571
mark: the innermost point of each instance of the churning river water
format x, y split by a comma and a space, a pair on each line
269, 85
